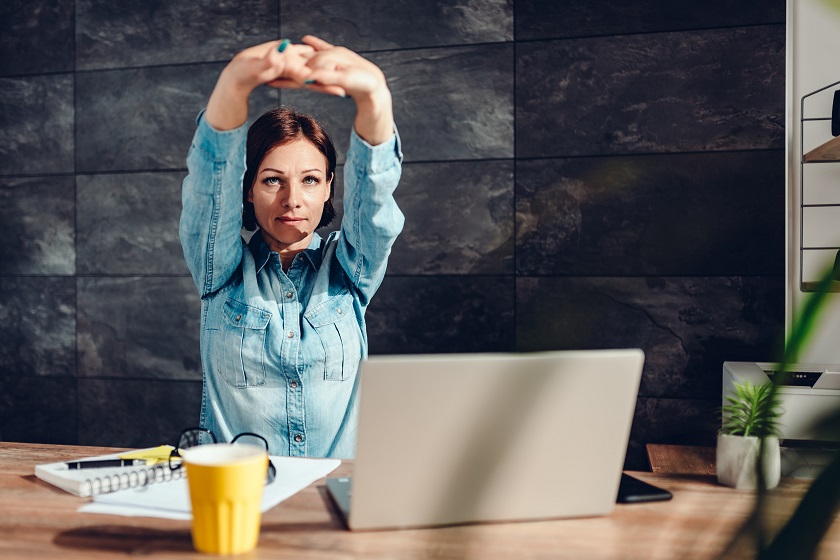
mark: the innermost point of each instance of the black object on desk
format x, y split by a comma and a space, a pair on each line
98, 464
633, 491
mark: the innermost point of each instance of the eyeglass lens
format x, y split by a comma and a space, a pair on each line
197, 436
259, 441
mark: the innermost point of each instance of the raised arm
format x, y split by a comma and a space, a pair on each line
338, 68
372, 170
279, 64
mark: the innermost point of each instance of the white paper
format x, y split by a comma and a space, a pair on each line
171, 500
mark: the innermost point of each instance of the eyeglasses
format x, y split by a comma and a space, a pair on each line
192, 437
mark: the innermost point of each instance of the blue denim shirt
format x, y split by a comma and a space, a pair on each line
280, 350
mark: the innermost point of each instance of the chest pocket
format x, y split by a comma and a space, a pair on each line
242, 347
340, 337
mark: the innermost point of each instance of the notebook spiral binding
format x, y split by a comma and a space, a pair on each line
132, 479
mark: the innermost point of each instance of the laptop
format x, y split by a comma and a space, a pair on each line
470, 438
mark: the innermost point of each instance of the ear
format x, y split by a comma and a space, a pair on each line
329, 187
251, 195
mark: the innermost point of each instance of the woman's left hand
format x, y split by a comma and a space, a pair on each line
336, 69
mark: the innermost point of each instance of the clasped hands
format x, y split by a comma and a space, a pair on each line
313, 64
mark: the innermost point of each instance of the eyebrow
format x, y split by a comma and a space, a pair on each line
271, 169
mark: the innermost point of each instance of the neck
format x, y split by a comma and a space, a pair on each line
286, 258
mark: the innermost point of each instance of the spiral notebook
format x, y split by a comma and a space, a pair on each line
93, 481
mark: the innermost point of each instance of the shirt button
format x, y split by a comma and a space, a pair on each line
238, 317
339, 311
293, 384
289, 295
298, 438
290, 334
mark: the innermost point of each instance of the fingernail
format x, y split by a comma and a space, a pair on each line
308, 82
283, 44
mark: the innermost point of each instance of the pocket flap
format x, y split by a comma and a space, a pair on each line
328, 312
240, 315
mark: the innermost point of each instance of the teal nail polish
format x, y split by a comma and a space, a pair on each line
283, 44
309, 82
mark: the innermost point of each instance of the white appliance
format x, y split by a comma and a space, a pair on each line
809, 394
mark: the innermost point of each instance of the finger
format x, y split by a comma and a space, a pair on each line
284, 83
327, 77
329, 90
316, 43
283, 44
259, 51
290, 63
320, 62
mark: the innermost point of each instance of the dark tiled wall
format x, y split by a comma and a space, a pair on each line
577, 175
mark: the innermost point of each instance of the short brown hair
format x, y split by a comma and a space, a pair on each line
275, 128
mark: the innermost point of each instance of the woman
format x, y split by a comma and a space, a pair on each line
282, 317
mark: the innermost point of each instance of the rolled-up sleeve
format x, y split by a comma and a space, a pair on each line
372, 221
211, 198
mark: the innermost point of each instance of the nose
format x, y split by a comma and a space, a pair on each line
290, 197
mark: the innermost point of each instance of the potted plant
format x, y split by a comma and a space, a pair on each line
751, 416
801, 532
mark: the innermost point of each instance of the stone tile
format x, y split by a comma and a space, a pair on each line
38, 409
139, 328
464, 112
38, 327
383, 24
36, 125
670, 92
671, 421
687, 327
37, 221
131, 34
549, 19
136, 413
459, 219
687, 214
144, 119
36, 36
443, 314
128, 224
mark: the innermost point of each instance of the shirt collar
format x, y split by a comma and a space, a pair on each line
262, 253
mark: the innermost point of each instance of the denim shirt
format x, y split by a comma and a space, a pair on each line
280, 350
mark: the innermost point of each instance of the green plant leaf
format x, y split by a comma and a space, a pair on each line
803, 531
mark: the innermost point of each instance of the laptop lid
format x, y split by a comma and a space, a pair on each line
459, 438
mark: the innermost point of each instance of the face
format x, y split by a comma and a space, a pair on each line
288, 194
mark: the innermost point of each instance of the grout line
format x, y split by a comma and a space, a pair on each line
429, 161
450, 275
406, 49
76, 359
403, 49
515, 228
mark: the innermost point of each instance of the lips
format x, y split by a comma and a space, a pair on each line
290, 220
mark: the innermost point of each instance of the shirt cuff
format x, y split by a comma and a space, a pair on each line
380, 157
218, 143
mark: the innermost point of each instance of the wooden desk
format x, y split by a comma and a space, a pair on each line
39, 521
681, 459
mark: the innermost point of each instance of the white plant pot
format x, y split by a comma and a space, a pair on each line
736, 466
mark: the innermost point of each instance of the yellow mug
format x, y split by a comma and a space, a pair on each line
226, 483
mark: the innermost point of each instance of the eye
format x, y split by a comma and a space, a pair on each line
311, 181
272, 182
